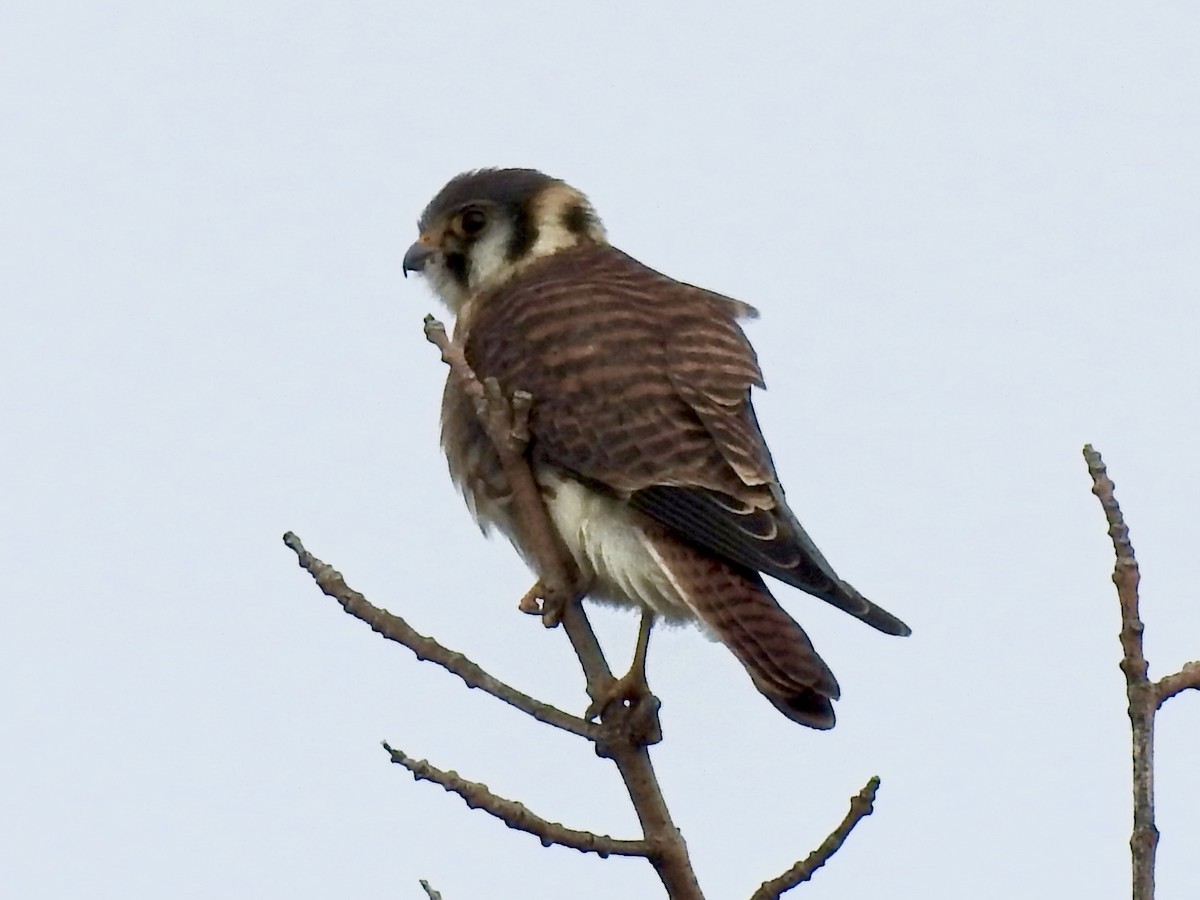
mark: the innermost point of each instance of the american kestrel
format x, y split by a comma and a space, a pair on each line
643, 438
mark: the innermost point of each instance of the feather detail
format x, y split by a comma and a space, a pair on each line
738, 609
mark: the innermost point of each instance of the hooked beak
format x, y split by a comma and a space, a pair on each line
416, 257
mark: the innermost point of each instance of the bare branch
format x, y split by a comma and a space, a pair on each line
1186, 678
516, 815
394, 628
861, 806
1125, 575
430, 892
625, 731
1143, 695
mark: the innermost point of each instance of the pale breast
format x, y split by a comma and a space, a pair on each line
606, 539
602, 533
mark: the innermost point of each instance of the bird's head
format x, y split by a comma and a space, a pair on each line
485, 226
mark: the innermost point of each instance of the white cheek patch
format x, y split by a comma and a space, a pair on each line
489, 258
490, 265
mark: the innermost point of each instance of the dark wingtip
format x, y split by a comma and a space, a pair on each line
850, 600
884, 621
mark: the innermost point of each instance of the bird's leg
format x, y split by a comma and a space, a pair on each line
637, 669
631, 688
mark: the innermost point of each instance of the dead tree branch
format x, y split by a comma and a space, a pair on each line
394, 628
1145, 697
626, 731
516, 815
861, 806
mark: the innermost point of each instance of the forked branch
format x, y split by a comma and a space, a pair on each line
1145, 697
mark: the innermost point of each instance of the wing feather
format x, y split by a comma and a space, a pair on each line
641, 387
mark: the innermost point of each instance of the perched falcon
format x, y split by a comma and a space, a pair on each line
642, 435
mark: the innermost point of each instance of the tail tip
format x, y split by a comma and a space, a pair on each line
807, 708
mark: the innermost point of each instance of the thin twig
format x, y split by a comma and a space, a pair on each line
516, 815
1143, 695
430, 892
394, 628
508, 429
861, 806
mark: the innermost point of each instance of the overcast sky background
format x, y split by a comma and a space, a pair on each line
972, 232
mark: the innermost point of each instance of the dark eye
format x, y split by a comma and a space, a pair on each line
473, 221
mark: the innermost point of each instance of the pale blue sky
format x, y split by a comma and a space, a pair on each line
972, 233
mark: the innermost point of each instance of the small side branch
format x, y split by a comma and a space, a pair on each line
394, 628
861, 806
516, 815
1187, 678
